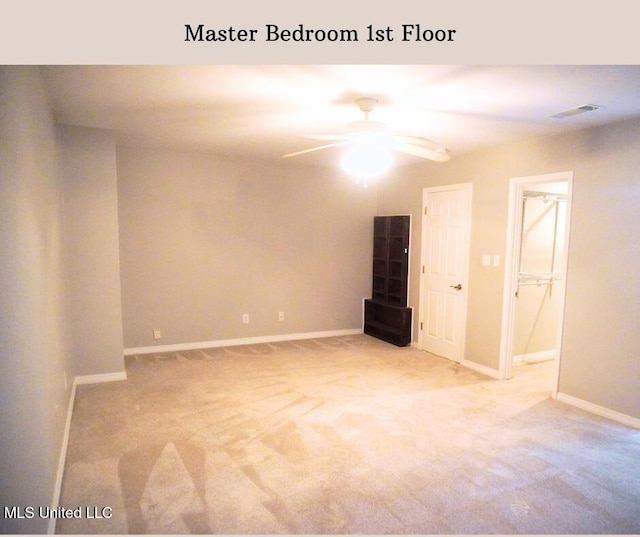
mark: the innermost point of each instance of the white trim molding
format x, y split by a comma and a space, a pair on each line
51, 529
534, 357
624, 419
479, 368
79, 379
241, 341
101, 377
512, 247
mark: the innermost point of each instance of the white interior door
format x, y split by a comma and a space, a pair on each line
445, 267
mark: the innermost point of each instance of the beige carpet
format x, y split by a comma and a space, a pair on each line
342, 435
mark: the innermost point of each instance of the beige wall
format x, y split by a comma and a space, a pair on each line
205, 239
599, 347
33, 337
601, 337
59, 283
91, 229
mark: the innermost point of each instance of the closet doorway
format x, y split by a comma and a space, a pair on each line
535, 272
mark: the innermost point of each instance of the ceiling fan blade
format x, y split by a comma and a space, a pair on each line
318, 148
325, 137
415, 140
423, 152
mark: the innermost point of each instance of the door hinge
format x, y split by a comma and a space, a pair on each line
425, 211
422, 269
420, 326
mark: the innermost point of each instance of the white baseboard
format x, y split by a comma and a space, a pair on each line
101, 377
80, 379
493, 373
490, 372
534, 357
240, 341
51, 529
624, 419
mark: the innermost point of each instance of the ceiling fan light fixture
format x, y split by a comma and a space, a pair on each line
366, 161
366, 125
372, 143
367, 104
372, 138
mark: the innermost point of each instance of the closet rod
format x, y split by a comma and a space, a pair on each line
544, 196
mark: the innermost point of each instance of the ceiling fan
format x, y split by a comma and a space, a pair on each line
373, 134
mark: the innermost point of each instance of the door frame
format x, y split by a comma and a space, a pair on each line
423, 260
514, 228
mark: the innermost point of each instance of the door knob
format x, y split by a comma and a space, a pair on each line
458, 287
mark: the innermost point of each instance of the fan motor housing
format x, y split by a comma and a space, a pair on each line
367, 104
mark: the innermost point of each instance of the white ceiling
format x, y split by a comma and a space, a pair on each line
261, 110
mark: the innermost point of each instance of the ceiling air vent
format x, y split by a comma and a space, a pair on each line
577, 110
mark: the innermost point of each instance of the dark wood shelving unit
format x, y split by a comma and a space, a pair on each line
386, 322
386, 313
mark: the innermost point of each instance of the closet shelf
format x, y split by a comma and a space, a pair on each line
527, 278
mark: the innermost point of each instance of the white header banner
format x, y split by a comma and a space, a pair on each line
323, 31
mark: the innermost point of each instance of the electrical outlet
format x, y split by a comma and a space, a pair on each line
157, 333
281, 316
245, 318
